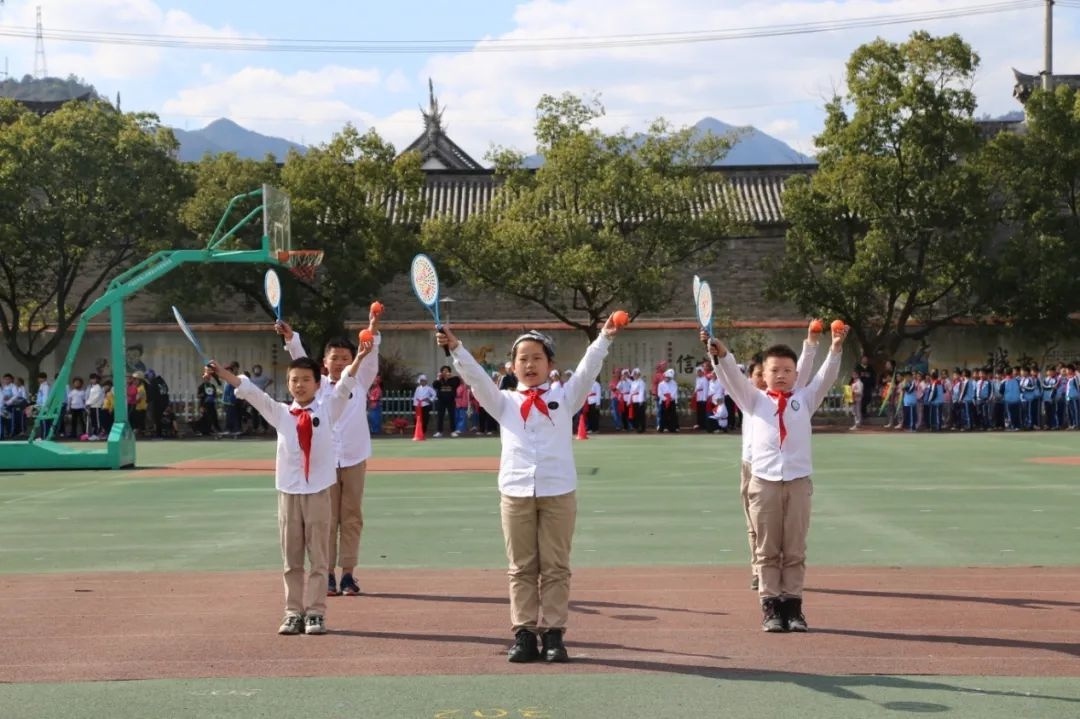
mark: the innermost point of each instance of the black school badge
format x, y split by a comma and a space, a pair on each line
553, 405
315, 422
794, 405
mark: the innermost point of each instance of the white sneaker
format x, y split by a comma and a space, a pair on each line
455, 434
437, 434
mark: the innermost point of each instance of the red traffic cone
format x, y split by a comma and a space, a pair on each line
582, 428
418, 433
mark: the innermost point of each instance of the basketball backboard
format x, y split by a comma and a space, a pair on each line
277, 225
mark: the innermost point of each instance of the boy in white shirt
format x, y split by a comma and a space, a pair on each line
636, 401
537, 481
352, 446
95, 400
780, 486
304, 472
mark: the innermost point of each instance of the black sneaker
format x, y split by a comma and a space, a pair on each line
291, 624
524, 648
314, 624
331, 586
348, 586
791, 609
554, 650
772, 620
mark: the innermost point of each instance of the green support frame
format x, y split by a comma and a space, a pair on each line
119, 450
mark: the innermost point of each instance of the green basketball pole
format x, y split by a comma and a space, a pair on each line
119, 450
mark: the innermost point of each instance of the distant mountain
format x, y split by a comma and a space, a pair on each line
226, 136
752, 147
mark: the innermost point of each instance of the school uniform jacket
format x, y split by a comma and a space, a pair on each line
325, 413
537, 457
769, 459
352, 436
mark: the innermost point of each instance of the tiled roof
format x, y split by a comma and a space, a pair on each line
752, 193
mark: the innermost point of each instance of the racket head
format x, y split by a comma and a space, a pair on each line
189, 334
704, 304
272, 290
425, 284
697, 286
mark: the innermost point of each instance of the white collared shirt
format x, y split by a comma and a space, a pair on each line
668, 387
594, 393
637, 391
701, 388
802, 370
768, 460
326, 411
352, 436
537, 453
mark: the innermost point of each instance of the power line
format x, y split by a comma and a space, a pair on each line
392, 47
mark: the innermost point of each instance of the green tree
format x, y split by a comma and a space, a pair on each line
892, 232
84, 193
1038, 179
609, 220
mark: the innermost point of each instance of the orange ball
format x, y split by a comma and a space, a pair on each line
817, 326
376, 307
620, 318
838, 326
366, 335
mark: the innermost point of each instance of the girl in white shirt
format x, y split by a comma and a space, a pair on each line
423, 397
537, 481
77, 408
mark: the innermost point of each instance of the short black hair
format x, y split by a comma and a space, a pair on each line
308, 364
755, 360
534, 336
341, 343
783, 351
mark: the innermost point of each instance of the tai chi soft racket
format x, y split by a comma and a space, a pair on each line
272, 290
703, 302
190, 334
425, 284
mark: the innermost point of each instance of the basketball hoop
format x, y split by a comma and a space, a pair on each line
302, 263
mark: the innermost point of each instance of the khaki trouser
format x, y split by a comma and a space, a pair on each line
538, 533
780, 513
744, 489
304, 523
346, 516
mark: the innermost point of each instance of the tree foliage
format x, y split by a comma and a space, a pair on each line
609, 220
46, 89
892, 233
84, 193
1038, 181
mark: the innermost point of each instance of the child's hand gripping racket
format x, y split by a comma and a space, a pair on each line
190, 335
425, 284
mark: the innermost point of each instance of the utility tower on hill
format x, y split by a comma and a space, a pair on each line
40, 71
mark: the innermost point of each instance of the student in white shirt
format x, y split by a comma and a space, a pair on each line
423, 397
593, 400
76, 401
701, 399
636, 401
352, 446
667, 392
856, 399
304, 472
781, 485
95, 400
755, 372
537, 481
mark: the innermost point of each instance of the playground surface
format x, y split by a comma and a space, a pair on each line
942, 580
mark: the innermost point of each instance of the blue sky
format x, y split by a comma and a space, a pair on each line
777, 84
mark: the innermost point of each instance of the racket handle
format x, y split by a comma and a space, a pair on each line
446, 348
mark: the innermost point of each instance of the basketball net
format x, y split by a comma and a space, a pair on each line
302, 263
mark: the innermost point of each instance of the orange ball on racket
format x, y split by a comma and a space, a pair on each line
620, 318
366, 335
838, 326
817, 326
376, 308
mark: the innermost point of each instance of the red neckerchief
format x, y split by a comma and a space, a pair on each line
533, 398
781, 404
303, 433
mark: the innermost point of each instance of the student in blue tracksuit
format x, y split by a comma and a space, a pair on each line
1030, 395
910, 389
934, 400
1048, 385
1072, 396
967, 400
1010, 392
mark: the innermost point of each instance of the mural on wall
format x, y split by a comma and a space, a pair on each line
135, 359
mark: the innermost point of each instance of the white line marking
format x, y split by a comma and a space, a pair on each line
52, 491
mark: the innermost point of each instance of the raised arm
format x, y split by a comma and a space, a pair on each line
577, 387
809, 352
735, 382
823, 381
487, 392
365, 375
